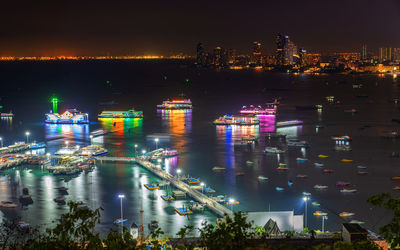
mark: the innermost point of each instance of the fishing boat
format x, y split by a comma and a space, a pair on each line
282, 168
342, 184
262, 178
239, 174
7, 204
319, 213
346, 160
296, 143
279, 189
120, 221
320, 187
357, 222
361, 167
273, 150
323, 156
132, 113
301, 159
282, 164
315, 204
167, 197
178, 103
301, 176
348, 191
362, 172
320, 165
306, 194
327, 171
218, 169
249, 163
346, 214
396, 178
151, 187
341, 138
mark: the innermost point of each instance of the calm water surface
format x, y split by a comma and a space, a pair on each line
27, 87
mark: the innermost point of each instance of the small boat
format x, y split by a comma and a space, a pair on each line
320, 165
396, 188
346, 214
296, 143
262, 178
306, 194
319, 213
167, 197
209, 190
362, 172
273, 150
239, 174
119, 221
323, 156
249, 163
396, 178
22, 224
361, 167
60, 200
357, 222
320, 187
301, 159
302, 176
315, 204
196, 206
151, 186
279, 189
327, 171
341, 138
218, 169
348, 191
342, 184
346, 160
7, 204
282, 164
290, 183
282, 169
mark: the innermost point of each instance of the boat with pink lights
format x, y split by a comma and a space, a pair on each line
239, 120
267, 109
178, 103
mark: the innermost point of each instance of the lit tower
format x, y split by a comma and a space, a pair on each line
55, 101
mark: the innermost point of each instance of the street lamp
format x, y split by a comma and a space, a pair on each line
143, 151
306, 198
27, 133
323, 222
66, 143
121, 196
91, 138
178, 172
136, 149
202, 187
156, 140
231, 201
1, 140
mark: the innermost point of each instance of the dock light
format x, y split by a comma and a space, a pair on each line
1, 141
158, 160
121, 196
231, 202
156, 140
136, 149
143, 151
305, 198
178, 171
202, 187
27, 133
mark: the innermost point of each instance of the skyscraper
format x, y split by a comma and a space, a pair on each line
286, 50
385, 54
201, 55
396, 55
256, 53
364, 53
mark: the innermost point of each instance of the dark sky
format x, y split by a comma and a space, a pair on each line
88, 27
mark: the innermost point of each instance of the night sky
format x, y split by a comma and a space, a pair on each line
113, 27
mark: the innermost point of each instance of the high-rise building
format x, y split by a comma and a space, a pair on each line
396, 55
385, 54
302, 55
256, 53
201, 55
220, 57
364, 53
286, 51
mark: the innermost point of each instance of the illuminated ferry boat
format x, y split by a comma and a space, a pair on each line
132, 113
176, 104
268, 109
289, 123
71, 116
93, 150
241, 120
7, 115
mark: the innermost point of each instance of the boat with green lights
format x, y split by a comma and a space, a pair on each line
132, 113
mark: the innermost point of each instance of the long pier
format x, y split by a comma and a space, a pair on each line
200, 197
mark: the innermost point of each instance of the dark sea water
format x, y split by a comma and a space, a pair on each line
26, 88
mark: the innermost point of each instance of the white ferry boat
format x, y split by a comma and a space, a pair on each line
132, 113
93, 150
71, 116
240, 120
176, 104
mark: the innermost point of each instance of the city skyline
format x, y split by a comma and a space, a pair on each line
159, 28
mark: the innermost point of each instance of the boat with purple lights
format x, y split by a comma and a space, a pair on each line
267, 109
240, 120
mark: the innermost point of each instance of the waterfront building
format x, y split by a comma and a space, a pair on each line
201, 55
364, 53
278, 220
385, 54
286, 51
256, 53
396, 55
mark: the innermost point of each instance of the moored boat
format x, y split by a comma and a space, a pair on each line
273, 150
282, 168
396, 178
315, 204
320, 165
346, 190
279, 188
299, 159
319, 213
301, 176
262, 178
320, 187
342, 184
346, 160
327, 171
218, 169
323, 156
346, 214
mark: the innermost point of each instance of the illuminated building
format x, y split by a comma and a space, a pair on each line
385, 54
286, 50
364, 53
396, 55
256, 53
71, 116
220, 57
201, 55
302, 57
121, 114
